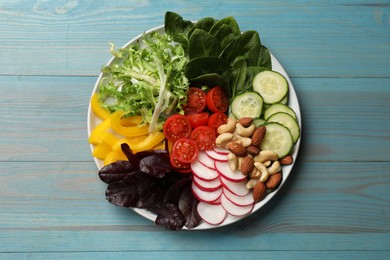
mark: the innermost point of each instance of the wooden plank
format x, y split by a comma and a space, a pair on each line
152, 255
311, 38
48, 118
59, 206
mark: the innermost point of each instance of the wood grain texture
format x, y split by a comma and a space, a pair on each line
336, 202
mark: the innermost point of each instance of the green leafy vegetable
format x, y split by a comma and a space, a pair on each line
146, 80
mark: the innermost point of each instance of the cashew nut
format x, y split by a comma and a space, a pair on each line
267, 163
244, 141
274, 168
232, 161
264, 172
245, 131
251, 183
266, 155
229, 127
223, 139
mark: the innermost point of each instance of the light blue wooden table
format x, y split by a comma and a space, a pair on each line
336, 203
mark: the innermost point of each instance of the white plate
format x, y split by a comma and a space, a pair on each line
93, 121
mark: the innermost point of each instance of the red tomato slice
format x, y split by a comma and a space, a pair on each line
196, 101
204, 136
176, 127
185, 150
179, 166
198, 119
217, 119
217, 100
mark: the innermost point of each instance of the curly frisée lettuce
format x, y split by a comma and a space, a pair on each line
146, 79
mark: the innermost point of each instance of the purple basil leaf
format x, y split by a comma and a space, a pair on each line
127, 192
170, 217
130, 155
146, 153
174, 192
188, 204
156, 165
116, 171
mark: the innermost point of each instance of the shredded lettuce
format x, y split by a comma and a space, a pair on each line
146, 79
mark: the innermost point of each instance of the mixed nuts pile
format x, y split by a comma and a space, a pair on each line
263, 167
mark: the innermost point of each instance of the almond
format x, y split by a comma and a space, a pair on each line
245, 121
259, 192
253, 150
288, 159
237, 149
247, 165
258, 135
274, 180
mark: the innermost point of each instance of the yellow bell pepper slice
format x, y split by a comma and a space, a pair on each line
97, 132
147, 144
100, 151
114, 156
97, 109
130, 141
131, 120
128, 131
109, 139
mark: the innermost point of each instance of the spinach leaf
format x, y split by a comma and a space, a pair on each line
205, 65
178, 28
212, 79
244, 45
238, 76
204, 24
225, 30
264, 58
202, 44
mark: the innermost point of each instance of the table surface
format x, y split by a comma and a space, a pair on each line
336, 202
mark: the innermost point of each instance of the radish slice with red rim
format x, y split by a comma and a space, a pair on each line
206, 196
211, 214
205, 159
203, 172
216, 156
211, 185
233, 209
221, 150
224, 169
237, 188
241, 201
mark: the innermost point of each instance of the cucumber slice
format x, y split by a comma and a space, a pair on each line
258, 122
284, 100
271, 85
275, 108
278, 139
288, 121
248, 104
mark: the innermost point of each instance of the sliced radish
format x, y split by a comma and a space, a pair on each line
206, 196
216, 156
216, 202
240, 201
207, 185
233, 209
203, 172
211, 214
237, 188
221, 150
206, 160
224, 169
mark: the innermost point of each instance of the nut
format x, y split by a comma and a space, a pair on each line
266, 155
245, 131
274, 181
237, 149
288, 159
251, 183
223, 139
258, 135
274, 168
244, 141
247, 165
259, 192
245, 121
232, 161
264, 172
253, 150
229, 127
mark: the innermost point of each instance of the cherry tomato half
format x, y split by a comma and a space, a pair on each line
198, 119
177, 126
216, 120
217, 100
185, 150
204, 136
179, 166
196, 101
